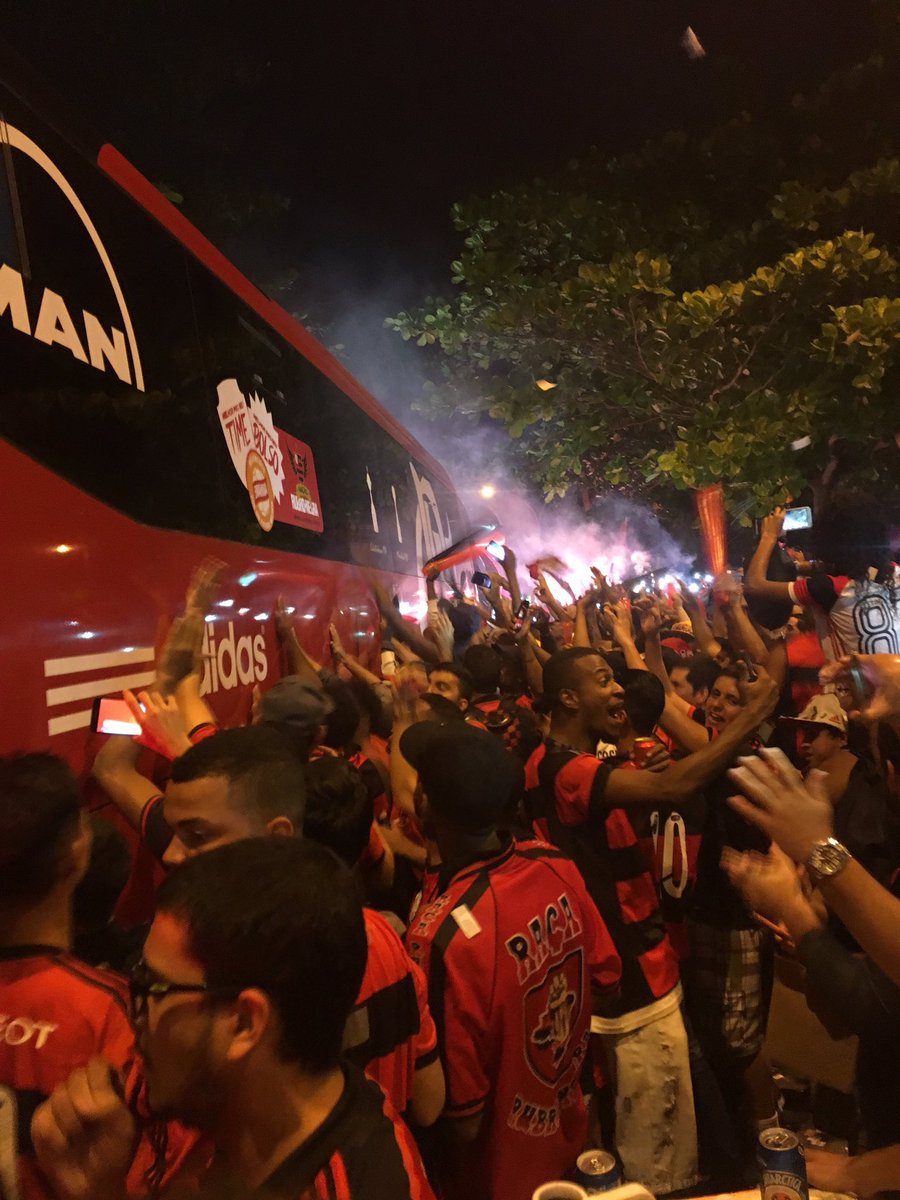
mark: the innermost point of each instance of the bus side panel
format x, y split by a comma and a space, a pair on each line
88, 596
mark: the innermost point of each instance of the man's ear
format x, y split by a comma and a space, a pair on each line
253, 1019
463, 704
701, 695
569, 698
281, 827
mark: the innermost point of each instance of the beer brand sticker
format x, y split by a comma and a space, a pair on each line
259, 452
259, 485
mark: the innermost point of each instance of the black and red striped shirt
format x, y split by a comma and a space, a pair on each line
56, 1014
566, 803
362, 1151
512, 718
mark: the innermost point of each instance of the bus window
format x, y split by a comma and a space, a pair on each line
116, 347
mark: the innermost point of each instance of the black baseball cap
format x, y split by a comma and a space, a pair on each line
467, 773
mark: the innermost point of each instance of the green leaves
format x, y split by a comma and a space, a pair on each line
700, 305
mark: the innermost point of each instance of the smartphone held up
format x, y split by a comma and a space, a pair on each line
112, 715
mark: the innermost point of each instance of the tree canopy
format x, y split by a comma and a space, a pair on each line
709, 308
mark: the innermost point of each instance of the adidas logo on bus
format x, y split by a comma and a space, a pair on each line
230, 661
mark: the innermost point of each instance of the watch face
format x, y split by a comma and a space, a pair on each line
828, 858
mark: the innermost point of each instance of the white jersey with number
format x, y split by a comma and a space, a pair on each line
852, 617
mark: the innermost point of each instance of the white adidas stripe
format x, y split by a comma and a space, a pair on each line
75, 720
97, 662
98, 687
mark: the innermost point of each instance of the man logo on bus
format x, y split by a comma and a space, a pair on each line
50, 320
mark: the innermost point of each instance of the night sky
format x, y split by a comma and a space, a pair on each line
373, 119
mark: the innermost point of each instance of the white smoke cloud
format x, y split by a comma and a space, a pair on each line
620, 537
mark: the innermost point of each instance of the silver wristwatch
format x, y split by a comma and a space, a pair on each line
827, 859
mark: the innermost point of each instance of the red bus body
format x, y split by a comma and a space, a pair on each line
108, 416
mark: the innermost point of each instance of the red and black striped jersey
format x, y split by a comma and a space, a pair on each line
512, 947
511, 718
566, 804
390, 1033
56, 1014
362, 1151
670, 839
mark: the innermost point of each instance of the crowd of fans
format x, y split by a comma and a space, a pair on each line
435, 929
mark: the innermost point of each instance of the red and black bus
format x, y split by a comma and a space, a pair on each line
156, 407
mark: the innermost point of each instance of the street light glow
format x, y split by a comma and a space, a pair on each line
487, 491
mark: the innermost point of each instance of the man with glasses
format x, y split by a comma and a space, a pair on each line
250, 969
56, 1012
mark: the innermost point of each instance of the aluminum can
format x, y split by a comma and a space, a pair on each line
782, 1166
559, 1189
643, 748
597, 1171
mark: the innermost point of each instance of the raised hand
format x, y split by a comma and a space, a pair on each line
181, 653
881, 673
337, 646
771, 526
792, 811
619, 618
651, 618
84, 1135
203, 584
769, 883
284, 621
690, 601
441, 628
160, 719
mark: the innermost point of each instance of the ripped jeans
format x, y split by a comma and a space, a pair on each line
656, 1131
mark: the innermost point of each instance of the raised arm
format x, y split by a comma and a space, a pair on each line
583, 605
299, 661
547, 598
682, 779
757, 569
401, 631
619, 617
706, 639
353, 665
115, 769
882, 676
512, 579
741, 630
796, 813
534, 670
676, 719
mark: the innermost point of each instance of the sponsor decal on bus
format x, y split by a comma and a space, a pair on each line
258, 450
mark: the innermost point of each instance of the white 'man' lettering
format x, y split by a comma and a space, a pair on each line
12, 297
105, 349
56, 327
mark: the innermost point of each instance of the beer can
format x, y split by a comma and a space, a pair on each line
597, 1171
643, 748
559, 1189
782, 1166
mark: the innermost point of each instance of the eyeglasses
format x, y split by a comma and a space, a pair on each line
143, 984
